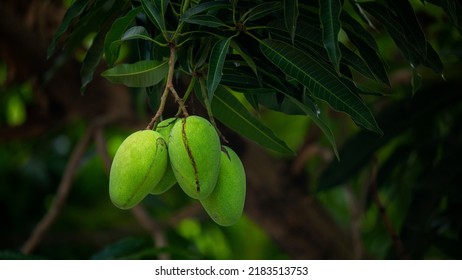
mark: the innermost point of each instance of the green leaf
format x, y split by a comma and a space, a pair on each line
205, 20
115, 33
247, 58
205, 7
91, 60
230, 111
398, 118
161, 5
329, 14
154, 15
73, 12
408, 40
322, 82
87, 25
143, 73
371, 57
367, 46
261, 10
291, 16
316, 118
136, 32
216, 62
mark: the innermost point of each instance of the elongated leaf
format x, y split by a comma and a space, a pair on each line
216, 62
396, 119
291, 16
205, 20
320, 81
309, 38
136, 32
329, 14
371, 57
91, 60
367, 46
262, 10
95, 52
88, 24
205, 7
412, 48
249, 60
73, 12
161, 6
230, 111
315, 117
143, 73
407, 18
154, 14
115, 33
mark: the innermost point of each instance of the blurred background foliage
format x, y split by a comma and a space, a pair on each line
397, 195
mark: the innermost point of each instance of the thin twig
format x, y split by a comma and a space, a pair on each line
138, 212
168, 88
64, 189
163, 100
397, 243
209, 109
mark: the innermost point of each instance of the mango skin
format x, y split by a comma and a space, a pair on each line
138, 165
194, 152
226, 203
168, 180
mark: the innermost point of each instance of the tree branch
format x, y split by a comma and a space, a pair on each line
64, 189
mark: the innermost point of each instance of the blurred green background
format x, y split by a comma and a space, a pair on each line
389, 197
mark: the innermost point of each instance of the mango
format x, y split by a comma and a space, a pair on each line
194, 152
168, 180
138, 165
226, 203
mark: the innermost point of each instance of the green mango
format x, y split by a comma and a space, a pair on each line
226, 203
138, 165
194, 152
168, 180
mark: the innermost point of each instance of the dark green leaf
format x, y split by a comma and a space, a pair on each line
205, 20
230, 111
367, 46
216, 62
371, 57
329, 14
357, 152
154, 14
90, 23
204, 50
248, 59
291, 16
205, 7
73, 12
161, 6
320, 81
143, 73
407, 40
316, 118
136, 32
262, 10
115, 33
91, 61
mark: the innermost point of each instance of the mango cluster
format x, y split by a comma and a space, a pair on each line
184, 151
